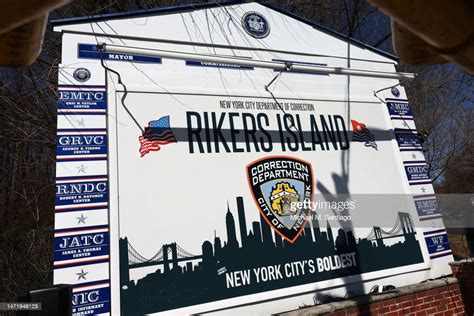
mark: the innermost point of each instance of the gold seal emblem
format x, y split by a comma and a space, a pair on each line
282, 196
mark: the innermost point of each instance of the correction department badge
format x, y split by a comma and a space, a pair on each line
255, 24
279, 185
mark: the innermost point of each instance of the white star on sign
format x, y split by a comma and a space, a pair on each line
413, 156
81, 275
81, 123
423, 189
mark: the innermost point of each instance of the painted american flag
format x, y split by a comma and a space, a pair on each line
157, 133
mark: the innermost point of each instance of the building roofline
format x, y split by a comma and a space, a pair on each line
329, 31
200, 6
142, 13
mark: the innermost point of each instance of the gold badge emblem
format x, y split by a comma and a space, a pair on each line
282, 197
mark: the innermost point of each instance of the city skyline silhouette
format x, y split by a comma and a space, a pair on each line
184, 279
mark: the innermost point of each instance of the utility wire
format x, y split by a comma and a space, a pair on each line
267, 86
383, 89
119, 78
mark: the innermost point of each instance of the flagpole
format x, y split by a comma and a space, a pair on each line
238, 61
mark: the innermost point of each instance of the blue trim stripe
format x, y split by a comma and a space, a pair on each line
81, 130
402, 119
195, 63
396, 100
85, 158
85, 208
439, 231
424, 182
93, 283
68, 86
429, 217
83, 263
80, 230
434, 256
91, 51
424, 196
75, 178
66, 112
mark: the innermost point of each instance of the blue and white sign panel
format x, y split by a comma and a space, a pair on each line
81, 238
417, 172
438, 243
81, 193
399, 109
82, 99
91, 299
408, 140
90, 51
196, 63
427, 207
89, 246
81, 145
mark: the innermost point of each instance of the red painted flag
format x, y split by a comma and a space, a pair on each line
358, 127
360, 133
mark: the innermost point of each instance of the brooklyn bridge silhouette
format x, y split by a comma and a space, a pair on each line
184, 279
